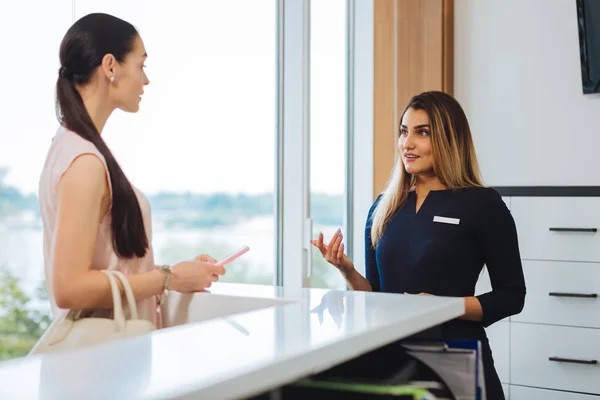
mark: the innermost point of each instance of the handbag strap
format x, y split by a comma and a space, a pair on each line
119, 315
128, 293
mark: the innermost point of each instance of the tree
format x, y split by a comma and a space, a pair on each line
20, 325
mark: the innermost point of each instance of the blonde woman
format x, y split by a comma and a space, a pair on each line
435, 226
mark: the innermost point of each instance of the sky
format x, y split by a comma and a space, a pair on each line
207, 119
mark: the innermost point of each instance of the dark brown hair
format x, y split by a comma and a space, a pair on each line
81, 52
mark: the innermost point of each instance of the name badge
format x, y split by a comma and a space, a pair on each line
446, 220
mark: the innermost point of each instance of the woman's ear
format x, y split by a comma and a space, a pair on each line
109, 66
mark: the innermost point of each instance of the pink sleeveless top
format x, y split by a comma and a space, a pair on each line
65, 148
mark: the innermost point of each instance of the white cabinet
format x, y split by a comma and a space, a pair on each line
506, 390
558, 228
561, 293
555, 357
553, 345
527, 393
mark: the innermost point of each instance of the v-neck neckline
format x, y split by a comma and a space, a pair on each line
414, 207
425, 200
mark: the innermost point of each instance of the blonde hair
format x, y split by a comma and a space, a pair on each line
455, 162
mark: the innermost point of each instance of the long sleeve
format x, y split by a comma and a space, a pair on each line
497, 236
371, 269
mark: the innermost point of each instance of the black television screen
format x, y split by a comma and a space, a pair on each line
588, 19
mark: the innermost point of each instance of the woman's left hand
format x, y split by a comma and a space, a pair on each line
206, 258
425, 294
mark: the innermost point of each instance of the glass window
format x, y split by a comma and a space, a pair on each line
31, 41
328, 130
202, 147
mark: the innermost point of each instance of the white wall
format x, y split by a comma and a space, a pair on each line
517, 74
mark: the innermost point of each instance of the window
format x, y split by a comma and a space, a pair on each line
327, 131
202, 146
206, 146
28, 124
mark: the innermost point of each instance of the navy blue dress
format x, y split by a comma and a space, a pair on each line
441, 250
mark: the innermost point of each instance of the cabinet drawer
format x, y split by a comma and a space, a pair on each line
532, 347
561, 293
499, 337
558, 228
525, 393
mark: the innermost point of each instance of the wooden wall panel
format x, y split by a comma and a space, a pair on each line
414, 52
383, 101
419, 48
448, 47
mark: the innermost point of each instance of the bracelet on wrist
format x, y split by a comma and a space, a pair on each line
165, 270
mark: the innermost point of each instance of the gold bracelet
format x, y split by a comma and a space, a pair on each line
166, 270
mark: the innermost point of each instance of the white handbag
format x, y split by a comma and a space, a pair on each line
74, 332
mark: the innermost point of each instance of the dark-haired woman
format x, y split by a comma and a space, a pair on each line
93, 217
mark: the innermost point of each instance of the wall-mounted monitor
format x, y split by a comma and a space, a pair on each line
588, 21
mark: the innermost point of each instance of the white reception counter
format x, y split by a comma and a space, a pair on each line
239, 340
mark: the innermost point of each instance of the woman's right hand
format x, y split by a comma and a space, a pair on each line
334, 252
195, 275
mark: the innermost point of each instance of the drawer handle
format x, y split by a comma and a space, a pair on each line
573, 361
590, 230
580, 295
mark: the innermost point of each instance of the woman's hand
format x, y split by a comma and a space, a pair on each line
196, 275
206, 258
334, 252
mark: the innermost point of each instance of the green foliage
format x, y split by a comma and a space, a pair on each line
20, 324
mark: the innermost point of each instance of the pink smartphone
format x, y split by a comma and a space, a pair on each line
239, 252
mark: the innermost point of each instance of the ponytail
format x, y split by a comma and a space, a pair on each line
83, 47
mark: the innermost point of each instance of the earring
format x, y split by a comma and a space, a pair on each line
112, 78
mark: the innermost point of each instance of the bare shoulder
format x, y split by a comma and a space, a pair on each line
86, 175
